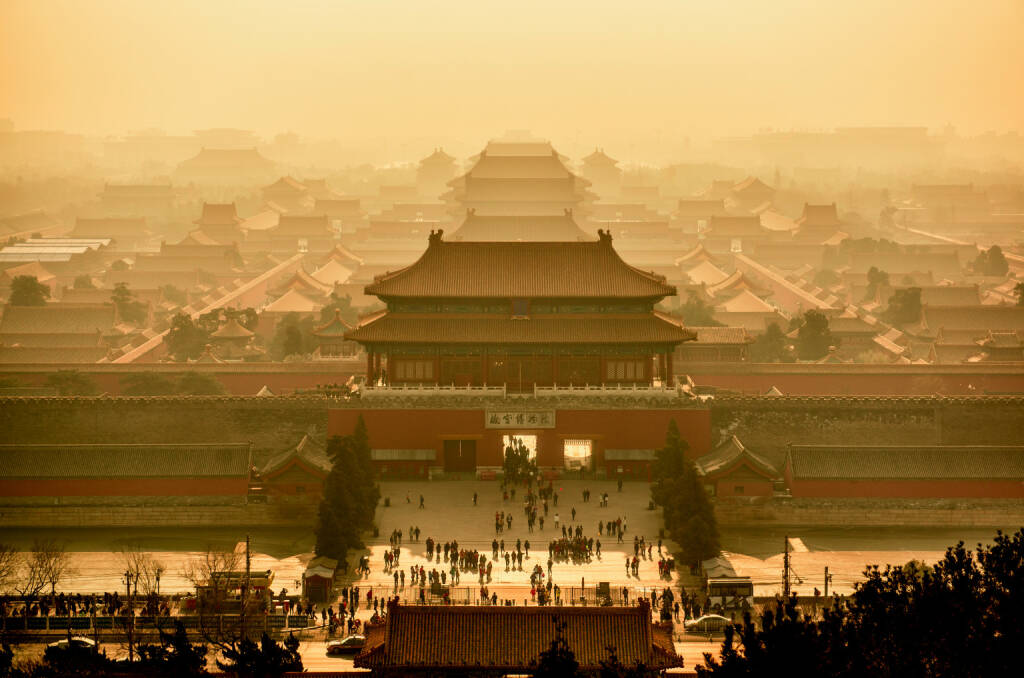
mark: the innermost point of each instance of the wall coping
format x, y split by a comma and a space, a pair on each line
530, 401
690, 368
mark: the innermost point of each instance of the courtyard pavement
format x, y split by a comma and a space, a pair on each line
449, 514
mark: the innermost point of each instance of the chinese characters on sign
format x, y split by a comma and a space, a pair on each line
519, 419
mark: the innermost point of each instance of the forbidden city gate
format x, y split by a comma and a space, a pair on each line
520, 315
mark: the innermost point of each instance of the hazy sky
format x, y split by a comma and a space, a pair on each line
616, 71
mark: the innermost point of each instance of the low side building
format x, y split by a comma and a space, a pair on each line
482, 640
890, 471
120, 475
297, 473
734, 471
715, 344
318, 579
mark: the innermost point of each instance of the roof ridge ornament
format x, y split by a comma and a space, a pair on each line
435, 237
605, 236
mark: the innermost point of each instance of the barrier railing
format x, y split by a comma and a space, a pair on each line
270, 622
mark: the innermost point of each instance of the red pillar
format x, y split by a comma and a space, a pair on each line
668, 370
369, 366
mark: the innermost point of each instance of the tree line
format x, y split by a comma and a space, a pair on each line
350, 495
173, 656
958, 618
687, 511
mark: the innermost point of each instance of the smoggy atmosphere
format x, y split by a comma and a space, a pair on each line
490, 339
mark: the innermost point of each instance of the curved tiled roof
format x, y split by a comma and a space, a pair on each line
721, 335
731, 453
706, 273
232, 329
218, 213
292, 301
333, 272
438, 157
520, 270
335, 328
399, 328
520, 228
599, 157
512, 638
307, 451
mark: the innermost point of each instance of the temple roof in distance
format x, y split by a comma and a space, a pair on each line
483, 228
438, 157
287, 184
232, 329
292, 301
218, 214
599, 157
335, 328
510, 270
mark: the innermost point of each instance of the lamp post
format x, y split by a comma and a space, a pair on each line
129, 579
158, 571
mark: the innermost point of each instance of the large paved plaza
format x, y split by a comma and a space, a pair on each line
449, 514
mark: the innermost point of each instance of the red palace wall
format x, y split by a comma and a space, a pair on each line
609, 429
726, 487
135, 487
908, 488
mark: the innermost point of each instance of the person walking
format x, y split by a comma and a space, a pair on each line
421, 501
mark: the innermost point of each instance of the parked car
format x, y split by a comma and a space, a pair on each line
709, 623
74, 643
349, 645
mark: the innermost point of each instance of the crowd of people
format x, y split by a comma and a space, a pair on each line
87, 605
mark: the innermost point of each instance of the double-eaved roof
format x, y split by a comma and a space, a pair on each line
399, 328
513, 270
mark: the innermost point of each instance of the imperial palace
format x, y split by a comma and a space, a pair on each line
520, 315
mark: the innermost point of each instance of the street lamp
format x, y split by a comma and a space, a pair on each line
158, 571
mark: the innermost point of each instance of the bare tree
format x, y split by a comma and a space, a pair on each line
210, 572
45, 566
10, 563
143, 567
215, 574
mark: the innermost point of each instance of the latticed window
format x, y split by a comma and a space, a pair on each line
413, 370
625, 370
